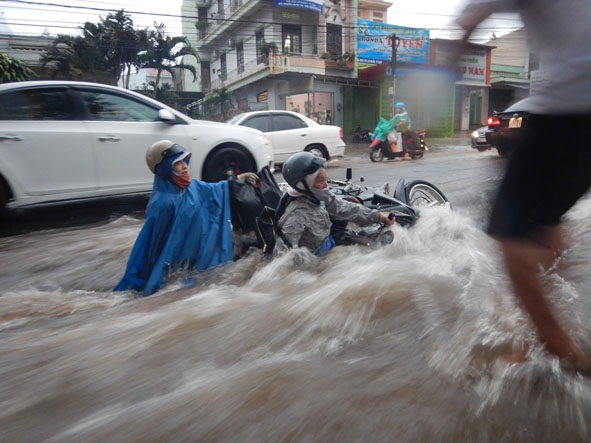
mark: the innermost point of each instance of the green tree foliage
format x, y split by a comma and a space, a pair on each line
164, 53
86, 57
110, 49
124, 42
218, 104
13, 70
164, 94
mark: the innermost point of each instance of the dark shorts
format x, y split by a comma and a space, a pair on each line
545, 176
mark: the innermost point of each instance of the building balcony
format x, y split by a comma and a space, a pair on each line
280, 63
274, 64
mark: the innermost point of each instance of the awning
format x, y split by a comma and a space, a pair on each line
469, 83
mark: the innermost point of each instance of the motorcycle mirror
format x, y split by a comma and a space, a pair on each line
349, 173
361, 179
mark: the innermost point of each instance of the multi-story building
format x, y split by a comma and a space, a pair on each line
279, 54
511, 66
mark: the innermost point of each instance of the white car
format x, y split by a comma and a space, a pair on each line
64, 140
290, 132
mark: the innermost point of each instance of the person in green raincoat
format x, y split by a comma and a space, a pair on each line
384, 127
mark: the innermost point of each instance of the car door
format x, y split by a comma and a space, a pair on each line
263, 122
45, 151
289, 134
122, 127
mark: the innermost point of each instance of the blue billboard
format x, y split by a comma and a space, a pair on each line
374, 43
311, 5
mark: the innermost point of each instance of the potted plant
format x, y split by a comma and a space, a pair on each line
267, 47
201, 25
348, 59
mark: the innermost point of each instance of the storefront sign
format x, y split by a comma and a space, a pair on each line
311, 5
472, 66
374, 43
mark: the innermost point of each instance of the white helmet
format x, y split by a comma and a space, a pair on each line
162, 149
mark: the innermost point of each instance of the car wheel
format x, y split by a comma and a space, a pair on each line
227, 162
318, 151
3, 198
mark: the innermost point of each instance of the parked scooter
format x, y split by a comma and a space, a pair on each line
361, 135
413, 144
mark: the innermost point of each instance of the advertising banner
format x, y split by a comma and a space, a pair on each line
374, 43
311, 5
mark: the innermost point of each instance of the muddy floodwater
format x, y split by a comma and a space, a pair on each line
398, 344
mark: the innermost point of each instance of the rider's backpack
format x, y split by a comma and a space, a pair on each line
248, 201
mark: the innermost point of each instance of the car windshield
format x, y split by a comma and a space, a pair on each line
234, 119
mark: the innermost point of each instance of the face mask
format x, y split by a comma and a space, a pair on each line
324, 195
182, 181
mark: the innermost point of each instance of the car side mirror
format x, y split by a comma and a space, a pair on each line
166, 116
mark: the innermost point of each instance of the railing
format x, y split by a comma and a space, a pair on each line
275, 64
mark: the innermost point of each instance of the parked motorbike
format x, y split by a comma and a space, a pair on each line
361, 135
404, 203
413, 144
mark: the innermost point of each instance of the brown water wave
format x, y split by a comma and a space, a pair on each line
398, 344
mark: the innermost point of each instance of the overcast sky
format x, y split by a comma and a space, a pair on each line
33, 17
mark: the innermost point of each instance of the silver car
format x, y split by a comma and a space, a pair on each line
64, 140
478, 139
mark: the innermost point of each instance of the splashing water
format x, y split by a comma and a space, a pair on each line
398, 344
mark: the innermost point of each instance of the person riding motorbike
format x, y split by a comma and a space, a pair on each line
305, 210
385, 129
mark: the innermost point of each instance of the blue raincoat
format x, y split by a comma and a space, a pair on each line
184, 229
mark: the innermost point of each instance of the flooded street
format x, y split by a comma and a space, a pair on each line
398, 344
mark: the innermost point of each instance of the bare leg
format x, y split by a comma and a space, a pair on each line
523, 259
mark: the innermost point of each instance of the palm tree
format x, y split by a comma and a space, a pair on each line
102, 52
124, 42
164, 53
86, 56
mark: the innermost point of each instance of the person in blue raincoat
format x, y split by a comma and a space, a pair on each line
188, 223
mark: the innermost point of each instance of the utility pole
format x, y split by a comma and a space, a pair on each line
394, 41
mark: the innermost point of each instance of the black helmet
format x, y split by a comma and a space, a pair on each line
298, 166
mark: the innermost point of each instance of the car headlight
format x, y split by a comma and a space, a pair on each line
475, 134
